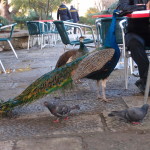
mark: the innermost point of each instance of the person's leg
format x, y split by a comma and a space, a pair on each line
136, 45
75, 29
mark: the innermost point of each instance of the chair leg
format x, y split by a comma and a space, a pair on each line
2, 66
147, 86
42, 41
126, 71
65, 48
28, 42
131, 65
73, 46
12, 48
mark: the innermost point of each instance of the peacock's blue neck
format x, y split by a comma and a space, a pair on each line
110, 41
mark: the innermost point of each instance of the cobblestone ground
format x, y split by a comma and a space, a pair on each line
90, 128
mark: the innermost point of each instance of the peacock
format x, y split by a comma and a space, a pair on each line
85, 69
96, 65
72, 54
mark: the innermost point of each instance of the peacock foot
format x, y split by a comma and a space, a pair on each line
104, 99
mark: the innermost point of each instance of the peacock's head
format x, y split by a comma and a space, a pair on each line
81, 38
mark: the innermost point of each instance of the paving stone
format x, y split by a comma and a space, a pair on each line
6, 145
40, 126
137, 101
114, 123
133, 101
82, 124
70, 143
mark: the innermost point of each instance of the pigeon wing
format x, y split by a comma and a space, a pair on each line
62, 110
135, 114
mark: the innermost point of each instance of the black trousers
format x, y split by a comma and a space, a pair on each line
75, 30
136, 44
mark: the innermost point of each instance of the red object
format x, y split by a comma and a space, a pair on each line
144, 15
102, 16
56, 121
140, 15
135, 123
45, 20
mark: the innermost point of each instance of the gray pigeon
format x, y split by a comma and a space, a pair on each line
134, 115
60, 111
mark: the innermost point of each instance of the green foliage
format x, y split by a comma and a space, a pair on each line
21, 20
3, 21
42, 8
94, 11
87, 20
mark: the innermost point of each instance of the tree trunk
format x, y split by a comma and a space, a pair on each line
4, 12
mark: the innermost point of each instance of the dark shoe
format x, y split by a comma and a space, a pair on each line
141, 84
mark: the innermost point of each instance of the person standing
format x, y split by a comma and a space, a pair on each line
63, 13
137, 37
74, 15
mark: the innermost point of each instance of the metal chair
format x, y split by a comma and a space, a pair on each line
147, 86
38, 30
102, 26
8, 39
61, 27
3, 66
53, 32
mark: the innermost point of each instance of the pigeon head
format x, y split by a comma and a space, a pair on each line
49, 105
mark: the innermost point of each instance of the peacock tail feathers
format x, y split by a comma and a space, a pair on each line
44, 85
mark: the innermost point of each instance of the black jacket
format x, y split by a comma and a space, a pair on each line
63, 13
140, 26
128, 6
74, 14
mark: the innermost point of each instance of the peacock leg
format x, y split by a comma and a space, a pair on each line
98, 89
104, 90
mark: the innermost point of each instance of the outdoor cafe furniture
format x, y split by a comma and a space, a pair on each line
144, 14
61, 27
136, 14
38, 32
9, 29
54, 32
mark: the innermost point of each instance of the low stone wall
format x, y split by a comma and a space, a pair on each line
19, 40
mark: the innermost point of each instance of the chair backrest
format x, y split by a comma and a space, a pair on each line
102, 26
10, 27
35, 27
62, 32
68, 27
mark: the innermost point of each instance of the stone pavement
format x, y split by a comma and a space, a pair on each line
32, 127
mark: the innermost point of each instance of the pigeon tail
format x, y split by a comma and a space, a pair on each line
121, 114
113, 113
75, 107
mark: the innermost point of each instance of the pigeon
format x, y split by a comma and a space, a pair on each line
133, 115
60, 111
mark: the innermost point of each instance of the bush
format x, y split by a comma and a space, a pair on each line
3, 21
87, 20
